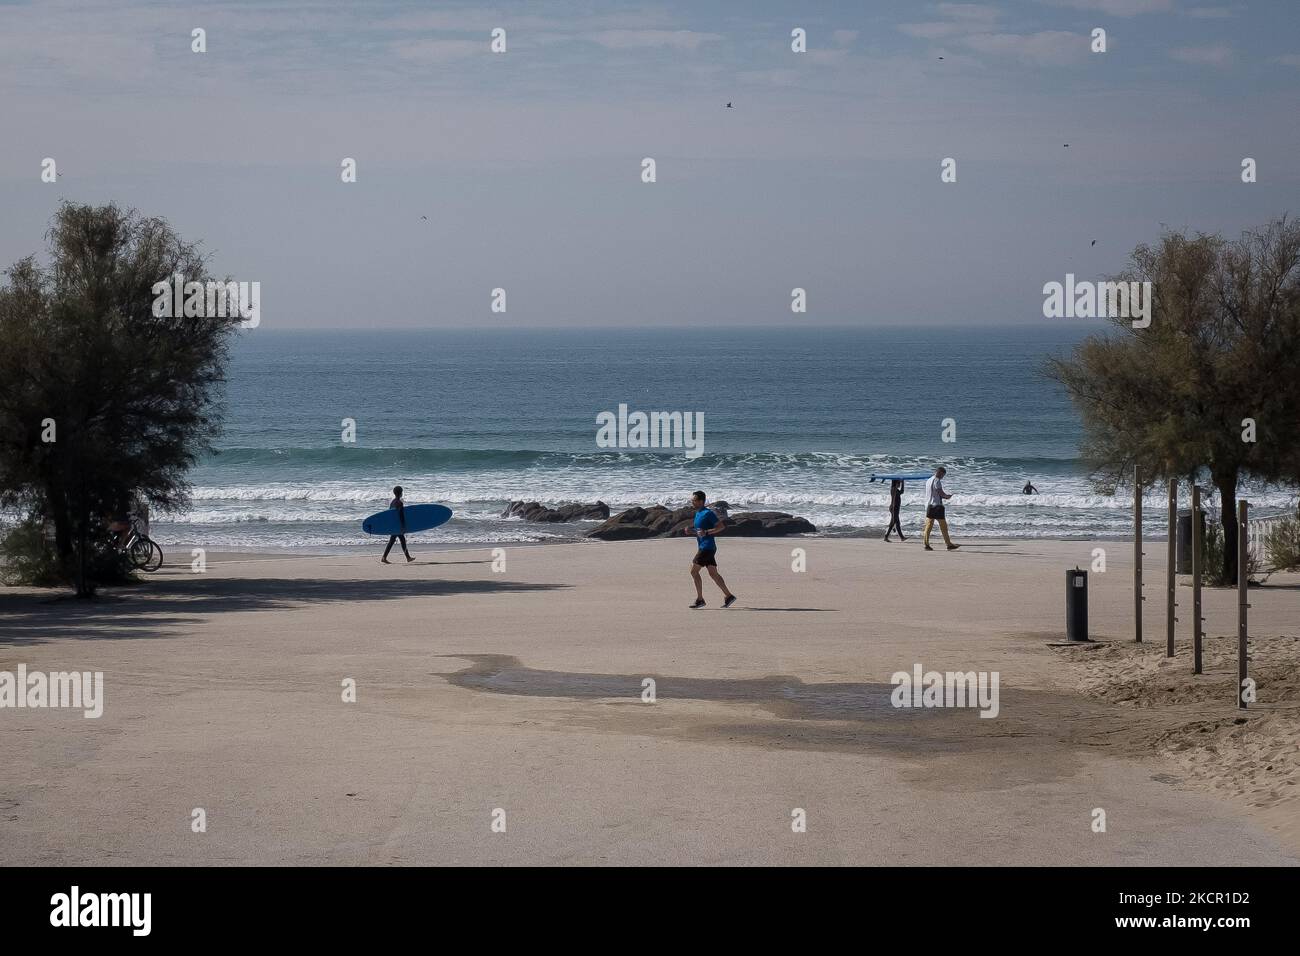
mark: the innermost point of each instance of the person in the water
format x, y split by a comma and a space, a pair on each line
707, 524
1029, 488
401, 523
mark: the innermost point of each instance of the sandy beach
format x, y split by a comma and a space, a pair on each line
522, 691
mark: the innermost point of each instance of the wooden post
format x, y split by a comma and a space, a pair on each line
1196, 579
1243, 580
1171, 581
1137, 557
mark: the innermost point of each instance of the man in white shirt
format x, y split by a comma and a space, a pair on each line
935, 496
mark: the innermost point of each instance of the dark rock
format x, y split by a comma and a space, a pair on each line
625, 526
661, 522
766, 524
534, 511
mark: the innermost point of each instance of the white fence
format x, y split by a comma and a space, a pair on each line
1258, 530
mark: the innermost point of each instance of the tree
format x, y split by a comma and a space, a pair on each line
130, 398
1222, 348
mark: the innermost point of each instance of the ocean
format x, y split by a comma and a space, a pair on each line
794, 420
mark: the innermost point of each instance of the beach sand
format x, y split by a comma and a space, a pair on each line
521, 691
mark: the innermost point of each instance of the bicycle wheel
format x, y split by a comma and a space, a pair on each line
146, 555
138, 553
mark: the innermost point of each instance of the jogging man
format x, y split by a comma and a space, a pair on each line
935, 496
707, 524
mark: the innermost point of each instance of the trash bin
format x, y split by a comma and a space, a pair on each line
1183, 564
1076, 605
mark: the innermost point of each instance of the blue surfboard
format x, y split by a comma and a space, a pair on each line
418, 518
911, 476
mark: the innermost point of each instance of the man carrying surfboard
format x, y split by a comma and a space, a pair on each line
401, 524
707, 524
935, 496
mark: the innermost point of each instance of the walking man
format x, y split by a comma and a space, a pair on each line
707, 524
935, 496
401, 523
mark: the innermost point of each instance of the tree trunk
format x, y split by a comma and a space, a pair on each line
63, 539
64, 545
1227, 485
85, 586
71, 524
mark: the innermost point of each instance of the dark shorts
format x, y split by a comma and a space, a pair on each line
935, 512
706, 559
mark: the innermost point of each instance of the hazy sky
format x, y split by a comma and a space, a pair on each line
824, 175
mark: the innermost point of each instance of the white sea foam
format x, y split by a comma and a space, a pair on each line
562, 493
829, 489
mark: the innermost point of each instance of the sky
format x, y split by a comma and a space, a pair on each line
823, 175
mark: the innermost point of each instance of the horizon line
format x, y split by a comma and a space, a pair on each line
678, 328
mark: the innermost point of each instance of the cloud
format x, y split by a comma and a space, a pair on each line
644, 39
972, 25
935, 30
1217, 55
464, 19
959, 19
438, 51
1047, 48
969, 11
1117, 8
828, 57
844, 37
1210, 13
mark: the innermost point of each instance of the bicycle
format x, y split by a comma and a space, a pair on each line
141, 550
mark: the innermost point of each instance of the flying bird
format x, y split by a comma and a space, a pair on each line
729, 106
424, 217
1067, 145
1094, 242
941, 58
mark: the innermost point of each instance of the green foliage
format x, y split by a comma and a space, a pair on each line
133, 396
1223, 345
28, 558
1283, 544
1212, 565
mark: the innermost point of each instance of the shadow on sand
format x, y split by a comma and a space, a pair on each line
787, 696
843, 717
988, 549
784, 609
159, 609
417, 563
